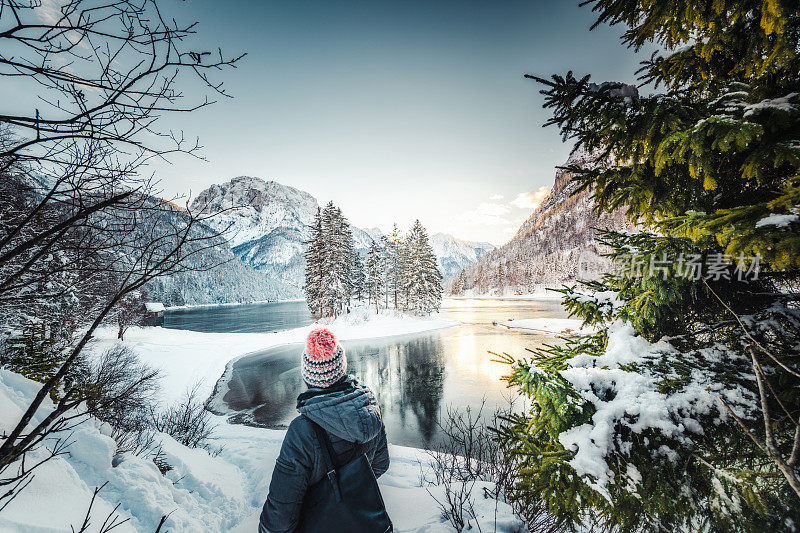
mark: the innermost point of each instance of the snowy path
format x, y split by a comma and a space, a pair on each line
410, 506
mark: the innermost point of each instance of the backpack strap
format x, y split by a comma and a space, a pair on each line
327, 448
327, 458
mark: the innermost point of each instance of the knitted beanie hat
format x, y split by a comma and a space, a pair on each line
324, 362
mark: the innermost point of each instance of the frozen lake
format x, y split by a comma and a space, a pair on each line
415, 377
249, 318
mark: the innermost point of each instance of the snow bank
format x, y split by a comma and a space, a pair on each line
193, 493
561, 326
200, 492
186, 358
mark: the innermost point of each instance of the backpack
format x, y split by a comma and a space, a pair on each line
347, 498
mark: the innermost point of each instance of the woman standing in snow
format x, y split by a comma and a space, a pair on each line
332, 453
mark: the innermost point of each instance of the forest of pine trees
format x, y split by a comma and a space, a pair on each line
400, 272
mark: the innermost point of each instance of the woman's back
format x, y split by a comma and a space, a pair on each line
349, 414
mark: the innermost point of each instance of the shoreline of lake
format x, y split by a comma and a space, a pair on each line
416, 375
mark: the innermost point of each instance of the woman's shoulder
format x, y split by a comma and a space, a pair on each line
300, 434
300, 426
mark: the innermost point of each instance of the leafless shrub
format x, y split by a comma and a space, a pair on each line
118, 390
111, 521
458, 505
188, 422
81, 229
470, 453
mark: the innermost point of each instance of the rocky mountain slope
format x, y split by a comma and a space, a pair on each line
215, 275
455, 254
266, 224
556, 245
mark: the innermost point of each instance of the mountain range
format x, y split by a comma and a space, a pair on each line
265, 224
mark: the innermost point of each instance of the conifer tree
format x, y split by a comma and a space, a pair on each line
404, 272
331, 278
394, 256
387, 274
457, 283
358, 277
423, 280
314, 264
682, 411
375, 274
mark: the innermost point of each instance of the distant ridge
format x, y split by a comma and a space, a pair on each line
549, 247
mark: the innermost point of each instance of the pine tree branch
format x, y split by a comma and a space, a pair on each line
749, 336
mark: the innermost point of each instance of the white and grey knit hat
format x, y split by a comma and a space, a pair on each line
324, 362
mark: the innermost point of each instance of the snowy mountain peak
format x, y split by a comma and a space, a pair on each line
249, 208
455, 254
374, 233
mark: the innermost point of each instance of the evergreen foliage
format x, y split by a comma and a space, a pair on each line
359, 278
35, 351
681, 411
401, 271
376, 264
423, 281
330, 263
394, 255
313, 256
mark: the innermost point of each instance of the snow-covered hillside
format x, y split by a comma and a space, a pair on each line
214, 275
231, 281
266, 224
557, 244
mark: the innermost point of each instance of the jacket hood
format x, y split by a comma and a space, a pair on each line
348, 410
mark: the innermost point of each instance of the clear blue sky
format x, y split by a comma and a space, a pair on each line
395, 110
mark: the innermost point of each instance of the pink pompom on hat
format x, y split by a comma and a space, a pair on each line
321, 343
323, 362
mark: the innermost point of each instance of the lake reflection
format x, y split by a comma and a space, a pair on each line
415, 377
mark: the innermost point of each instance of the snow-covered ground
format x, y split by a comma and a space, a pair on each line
562, 326
200, 493
203, 492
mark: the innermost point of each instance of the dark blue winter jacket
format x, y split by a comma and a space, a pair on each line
349, 413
